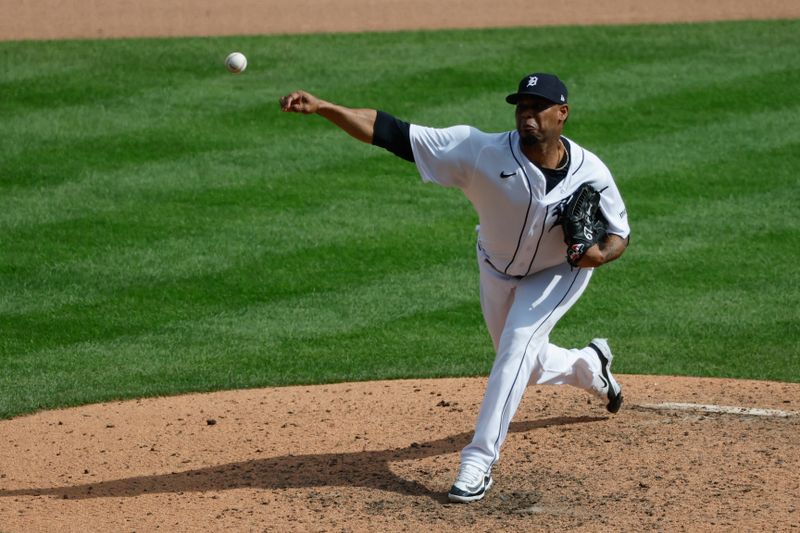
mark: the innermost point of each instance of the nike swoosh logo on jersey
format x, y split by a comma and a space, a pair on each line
505, 175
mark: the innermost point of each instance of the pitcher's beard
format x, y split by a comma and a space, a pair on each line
528, 140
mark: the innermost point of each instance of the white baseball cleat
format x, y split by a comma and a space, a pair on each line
604, 384
471, 484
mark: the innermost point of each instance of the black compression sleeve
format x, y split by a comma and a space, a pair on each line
394, 135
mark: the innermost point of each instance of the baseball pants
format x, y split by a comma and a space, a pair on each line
520, 314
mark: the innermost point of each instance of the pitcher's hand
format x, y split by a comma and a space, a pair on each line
300, 102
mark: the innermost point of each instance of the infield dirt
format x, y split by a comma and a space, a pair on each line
380, 456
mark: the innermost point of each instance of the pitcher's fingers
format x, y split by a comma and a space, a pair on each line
289, 101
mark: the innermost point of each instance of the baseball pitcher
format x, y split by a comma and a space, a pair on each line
549, 212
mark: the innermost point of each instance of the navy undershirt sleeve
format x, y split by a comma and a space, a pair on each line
394, 135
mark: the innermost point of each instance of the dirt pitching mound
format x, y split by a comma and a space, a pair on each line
682, 453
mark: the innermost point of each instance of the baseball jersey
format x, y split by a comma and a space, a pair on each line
517, 234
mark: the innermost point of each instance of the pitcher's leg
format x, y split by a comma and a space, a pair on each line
507, 381
588, 369
539, 302
562, 366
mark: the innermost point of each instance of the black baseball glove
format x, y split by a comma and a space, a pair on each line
583, 222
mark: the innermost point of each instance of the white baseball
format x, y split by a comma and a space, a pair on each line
236, 62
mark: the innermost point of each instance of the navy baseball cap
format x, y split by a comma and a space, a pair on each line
540, 84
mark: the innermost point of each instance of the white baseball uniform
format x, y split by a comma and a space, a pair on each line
526, 285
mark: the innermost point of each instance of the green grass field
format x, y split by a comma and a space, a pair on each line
165, 228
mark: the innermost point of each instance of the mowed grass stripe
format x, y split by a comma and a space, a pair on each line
665, 192
656, 66
699, 263
119, 250
262, 175
692, 107
687, 199
403, 348
342, 310
279, 342
137, 305
709, 144
328, 209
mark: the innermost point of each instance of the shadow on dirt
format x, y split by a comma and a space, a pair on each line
368, 469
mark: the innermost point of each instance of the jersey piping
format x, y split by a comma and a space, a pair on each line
541, 234
583, 158
527, 212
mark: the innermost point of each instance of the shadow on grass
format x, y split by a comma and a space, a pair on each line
368, 469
